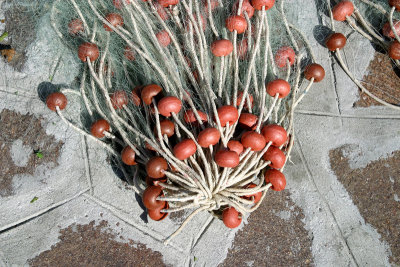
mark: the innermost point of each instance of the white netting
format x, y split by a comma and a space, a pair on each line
146, 67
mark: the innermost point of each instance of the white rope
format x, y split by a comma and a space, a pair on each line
197, 182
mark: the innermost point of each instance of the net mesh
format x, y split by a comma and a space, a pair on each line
145, 65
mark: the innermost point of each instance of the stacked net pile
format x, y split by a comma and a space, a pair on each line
195, 97
377, 21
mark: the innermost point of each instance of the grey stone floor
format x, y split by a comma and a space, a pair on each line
76, 191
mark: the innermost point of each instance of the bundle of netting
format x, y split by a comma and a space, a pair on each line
197, 97
377, 21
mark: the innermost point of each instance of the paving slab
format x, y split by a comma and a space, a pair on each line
375, 189
50, 183
337, 201
24, 244
382, 80
274, 235
19, 93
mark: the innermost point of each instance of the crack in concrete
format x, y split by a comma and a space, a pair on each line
334, 76
85, 154
206, 225
347, 116
320, 8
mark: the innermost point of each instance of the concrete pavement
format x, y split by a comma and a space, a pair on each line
317, 217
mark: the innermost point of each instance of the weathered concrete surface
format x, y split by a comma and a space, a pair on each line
374, 188
19, 245
335, 204
95, 245
274, 235
338, 234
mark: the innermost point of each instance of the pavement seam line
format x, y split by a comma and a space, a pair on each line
120, 214
204, 228
85, 155
328, 114
325, 202
331, 61
334, 83
40, 212
20, 91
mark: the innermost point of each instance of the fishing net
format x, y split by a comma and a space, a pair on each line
376, 21
194, 99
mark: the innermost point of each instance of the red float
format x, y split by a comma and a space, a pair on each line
156, 167
208, 137
257, 196
231, 217
246, 7
190, 118
236, 23
228, 114
167, 127
75, 27
150, 91
168, 105
259, 4
235, 146
335, 41
276, 178
246, 102
283, 55
150, 196
221, 48
157, 215
276, 156
128, 156
115, 20
228, 159
253, 140
88, 50
248, 121
185, 149
163, 38
342, 10
278, 86
394, 50
315, 71
275, 134
119, 99
395, 3
56, 99
135, 96
99, 127
167, 3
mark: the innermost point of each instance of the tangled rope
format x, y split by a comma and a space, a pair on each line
201, 94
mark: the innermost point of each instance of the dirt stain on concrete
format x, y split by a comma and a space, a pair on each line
27, 128
382, 81
95, 245
375, 189
274, 236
